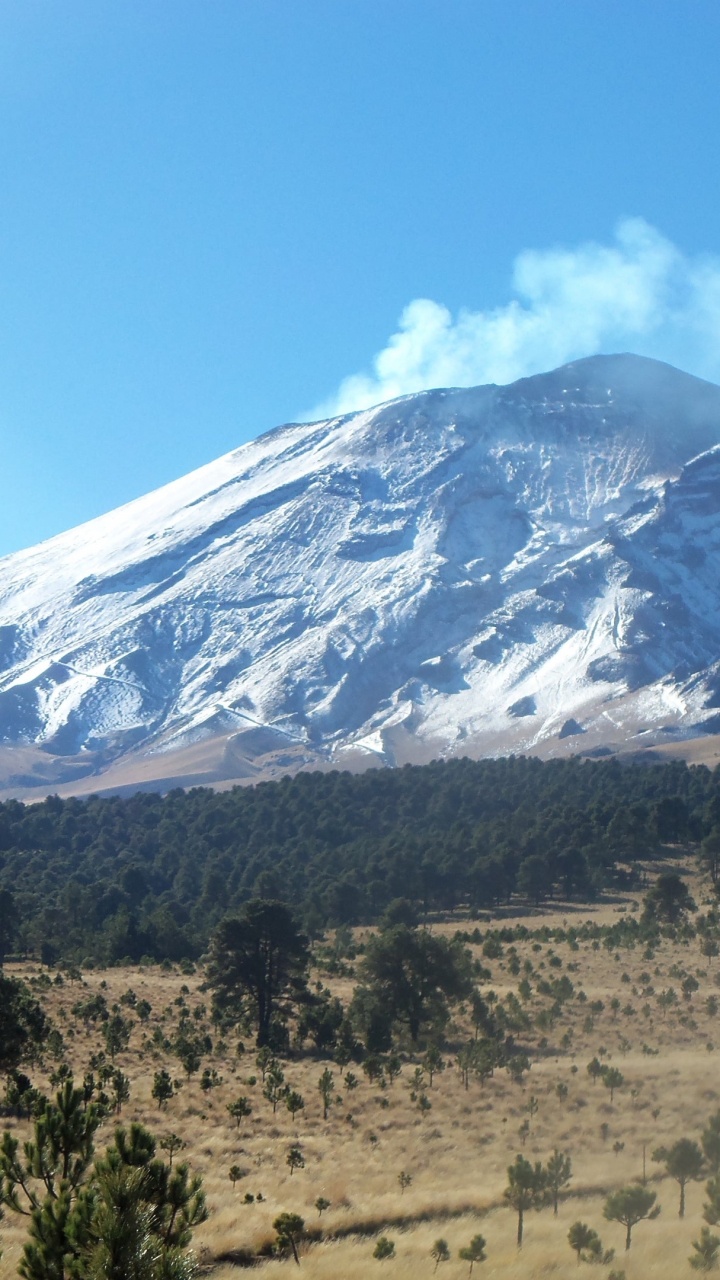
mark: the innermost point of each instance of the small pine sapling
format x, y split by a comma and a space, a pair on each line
326, 1090
517, 1065
264, 1060
440, 1252
393, 1067
594, 1069
711, 1143
707, 1249
629, 1206
433, 1063
121, 1091
240, 1109
162, 1089
295, 1158
294, 1102
613, 1079
289, 1229
384, 1249
558, 1173
684, 1162
172, 1143
275, 1088
474, 1252
581, 1238
526, 1189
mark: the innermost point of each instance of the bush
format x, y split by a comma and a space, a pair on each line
384, 1248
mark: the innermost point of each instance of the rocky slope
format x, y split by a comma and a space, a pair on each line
531, 567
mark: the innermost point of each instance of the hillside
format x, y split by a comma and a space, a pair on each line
483, 571
115, 878
576, 986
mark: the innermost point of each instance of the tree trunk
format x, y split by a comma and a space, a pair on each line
682, 1200
627, 1237
520, 1229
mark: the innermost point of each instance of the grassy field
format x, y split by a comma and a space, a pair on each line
456, 1153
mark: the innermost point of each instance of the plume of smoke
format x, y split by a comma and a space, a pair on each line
638, 293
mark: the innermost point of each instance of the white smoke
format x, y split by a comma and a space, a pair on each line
638, 294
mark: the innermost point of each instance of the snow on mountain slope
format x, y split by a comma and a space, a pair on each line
467, 570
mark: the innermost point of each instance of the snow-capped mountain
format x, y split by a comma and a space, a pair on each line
454, 572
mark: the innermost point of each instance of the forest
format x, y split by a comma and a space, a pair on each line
119, 879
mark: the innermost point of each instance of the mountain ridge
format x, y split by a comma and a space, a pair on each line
461, 570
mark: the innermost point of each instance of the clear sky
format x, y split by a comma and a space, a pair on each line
219, 215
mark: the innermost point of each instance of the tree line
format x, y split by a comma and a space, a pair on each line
111, 879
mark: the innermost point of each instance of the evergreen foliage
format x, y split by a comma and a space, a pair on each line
116, 878
126, 1216
527, 1189
684, 1162
474, 1252
707, 1249
629, 1206
558, 1172
24, 1027
258, 964
289, 1230
412, 976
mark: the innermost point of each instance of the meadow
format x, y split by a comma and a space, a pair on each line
455, 1152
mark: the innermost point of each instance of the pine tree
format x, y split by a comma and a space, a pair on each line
707, 1248
629, 1206
581, 1237
440, 1252
527, 1189
474, 1252
325, 1087
240, 1109
558, 1174
684, 1162
128, 1216
289, 1229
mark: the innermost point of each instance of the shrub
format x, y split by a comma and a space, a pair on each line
384, 1248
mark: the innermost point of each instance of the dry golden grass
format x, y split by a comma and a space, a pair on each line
458, 1154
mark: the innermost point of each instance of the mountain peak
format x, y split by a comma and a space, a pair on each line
387, 585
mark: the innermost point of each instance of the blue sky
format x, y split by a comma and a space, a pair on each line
219, 215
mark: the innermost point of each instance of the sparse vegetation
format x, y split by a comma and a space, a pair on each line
366, 1160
